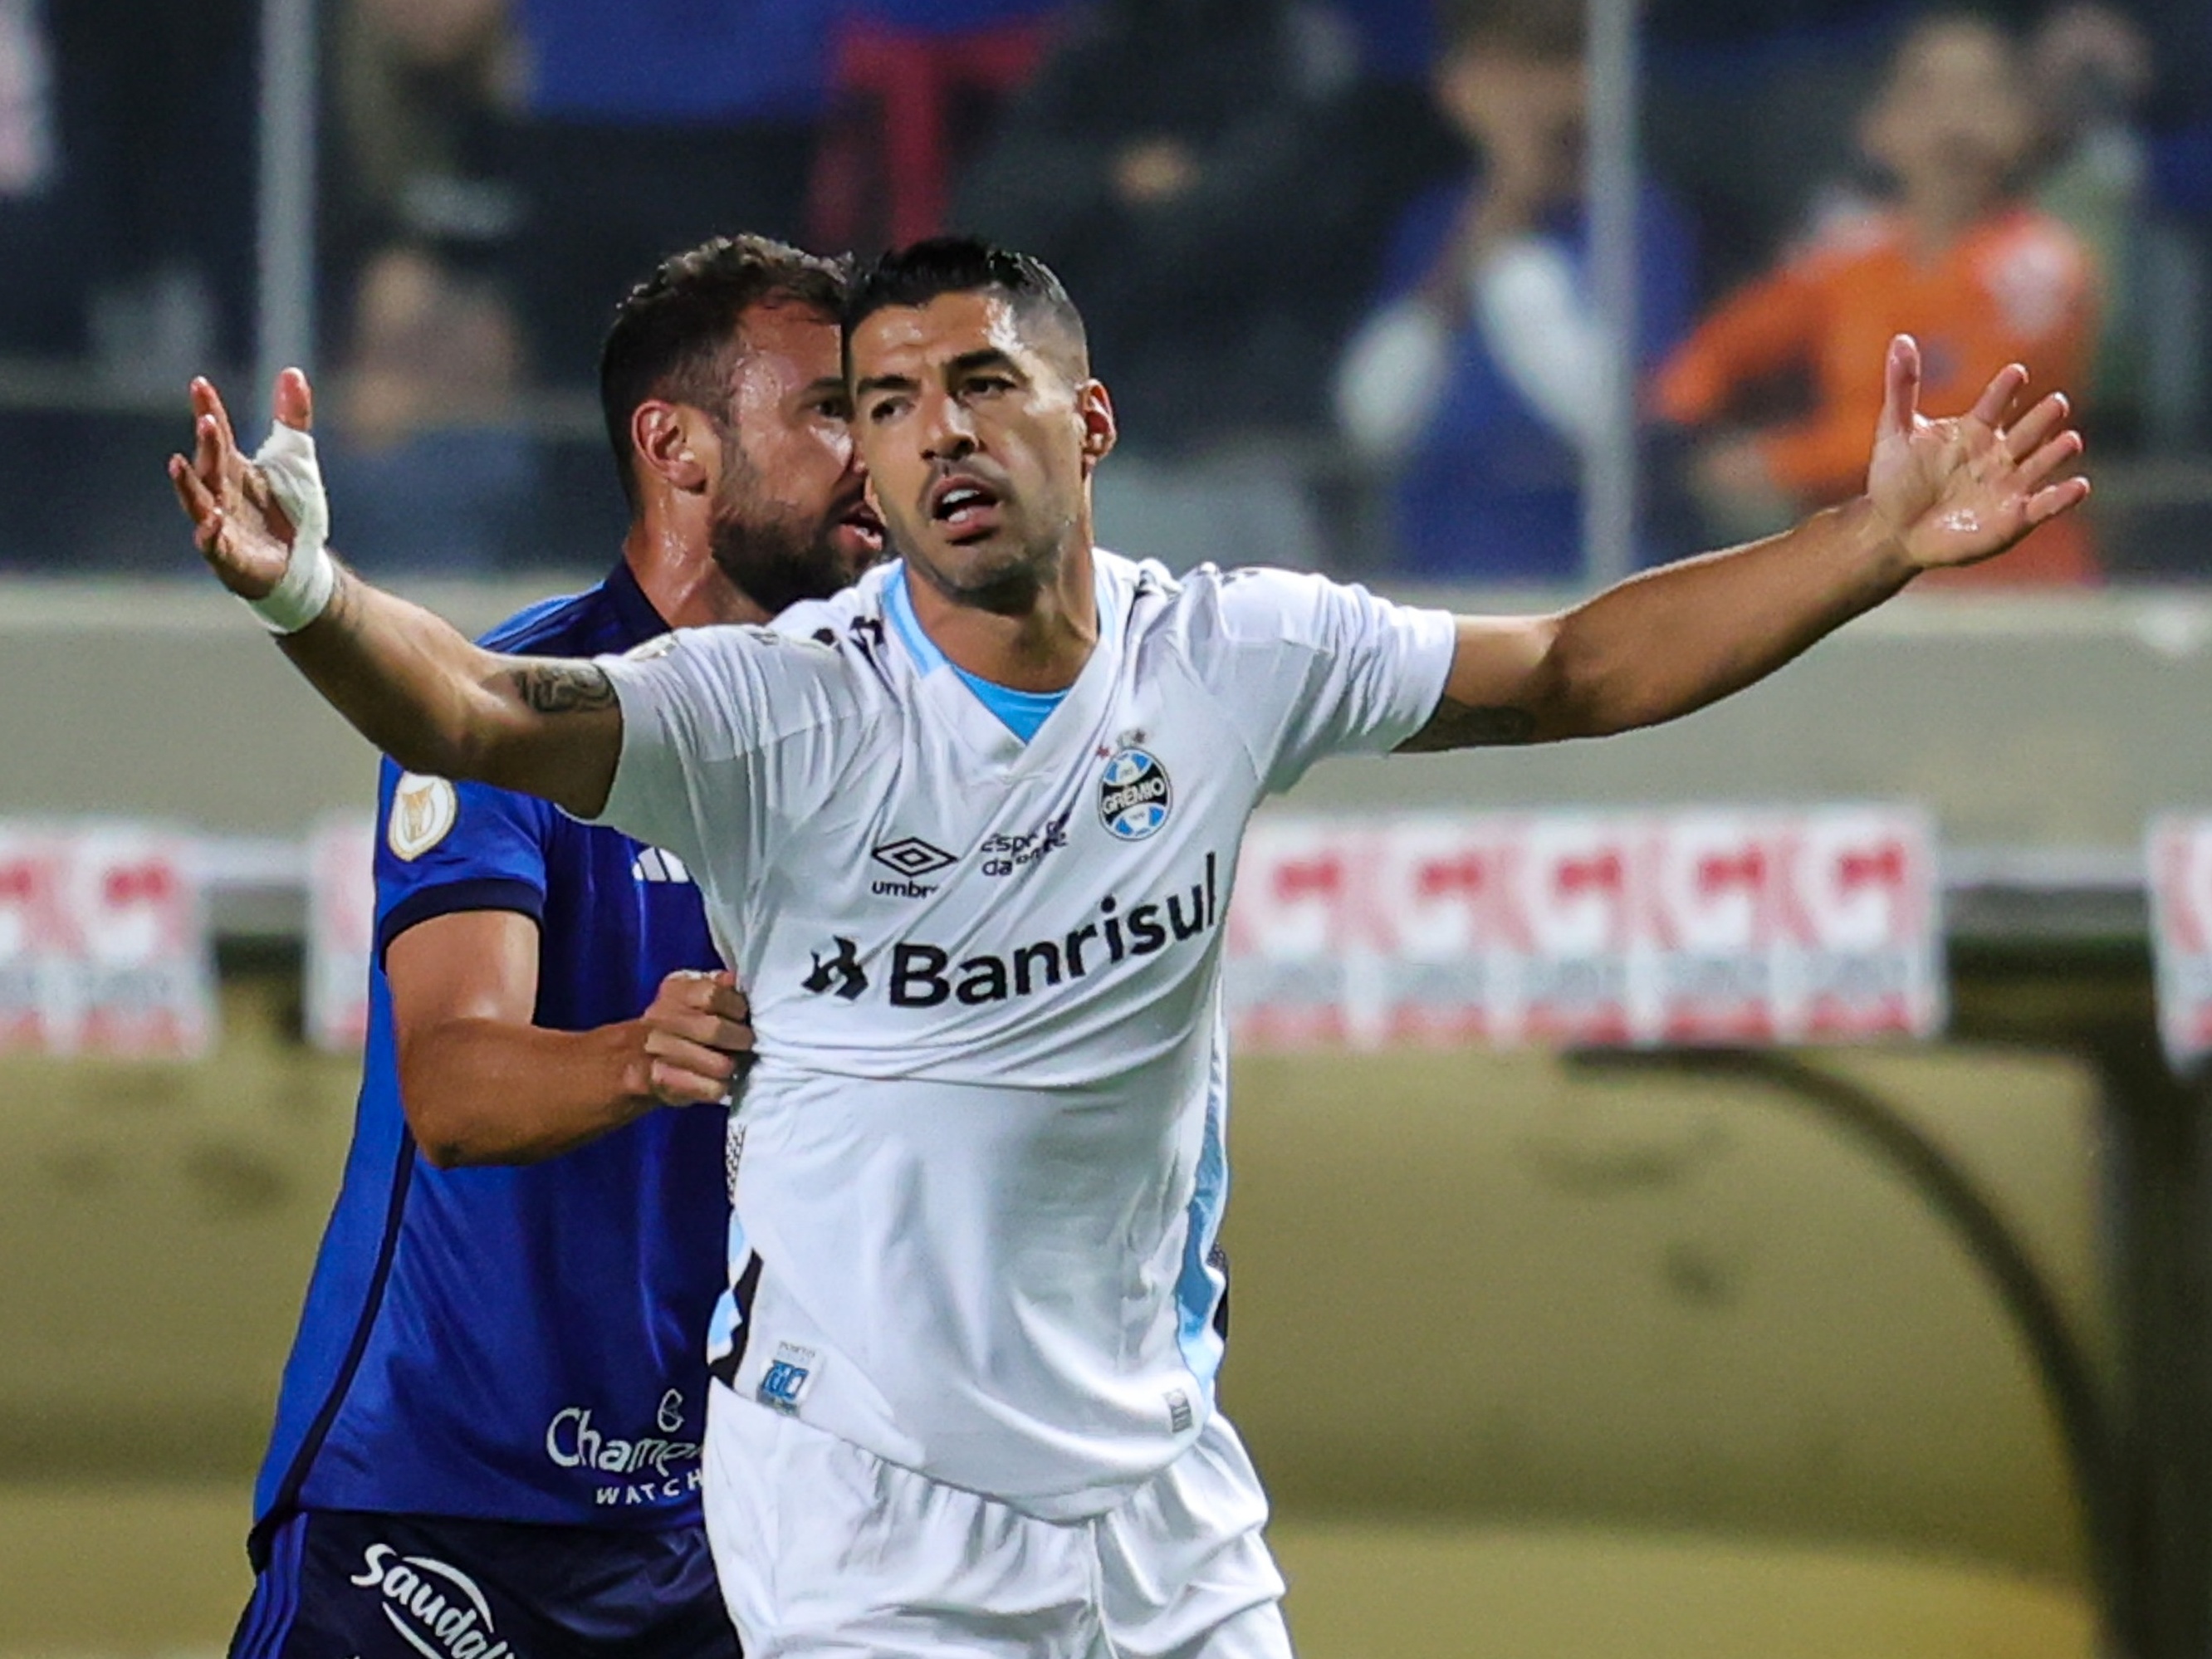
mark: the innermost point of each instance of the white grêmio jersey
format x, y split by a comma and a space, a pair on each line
981, 1148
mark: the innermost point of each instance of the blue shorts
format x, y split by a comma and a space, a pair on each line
340, 1585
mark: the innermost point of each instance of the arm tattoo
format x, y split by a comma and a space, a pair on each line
1457, 726
564, 688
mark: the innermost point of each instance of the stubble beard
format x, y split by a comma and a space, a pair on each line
1007, 586
775, 557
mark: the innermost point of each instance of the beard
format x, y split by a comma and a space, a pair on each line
777, 556
1008, 584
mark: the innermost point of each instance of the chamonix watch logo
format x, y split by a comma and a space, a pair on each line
437, 1609
1134, 794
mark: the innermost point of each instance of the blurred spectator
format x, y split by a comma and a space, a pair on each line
1477, 379
916, 89
649, 126
2090, 73
423, 88
158, 146
1172, 162
421, 449
1960, 261
40, 278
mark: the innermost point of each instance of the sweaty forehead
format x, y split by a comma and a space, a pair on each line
911, 340
796, 340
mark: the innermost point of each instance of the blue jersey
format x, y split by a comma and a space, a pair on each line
523, 1344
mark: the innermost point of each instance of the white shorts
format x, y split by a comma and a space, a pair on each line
828, 1552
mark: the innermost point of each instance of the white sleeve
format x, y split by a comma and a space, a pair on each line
692, 707
1313, 668
1543, 333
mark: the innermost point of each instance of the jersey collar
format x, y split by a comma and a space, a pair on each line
640, 621
963, 710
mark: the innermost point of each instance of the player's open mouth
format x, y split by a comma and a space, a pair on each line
965, 506
862, 527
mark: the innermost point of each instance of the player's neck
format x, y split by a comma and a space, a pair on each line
1042, 647
683, 584
1940, 213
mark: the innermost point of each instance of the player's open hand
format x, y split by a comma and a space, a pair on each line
698, 1038
238, 525
1964, 488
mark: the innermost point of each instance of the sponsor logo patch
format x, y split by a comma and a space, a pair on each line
1004, 855
653, 865
424, 810
785, 1382
841, 972
911, 858
1134, 796
437, 1609
920, 974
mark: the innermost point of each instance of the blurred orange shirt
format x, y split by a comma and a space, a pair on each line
2017, 287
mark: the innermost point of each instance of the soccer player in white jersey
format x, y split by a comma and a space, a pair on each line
968, 832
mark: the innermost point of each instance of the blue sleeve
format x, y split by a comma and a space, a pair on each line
443, 848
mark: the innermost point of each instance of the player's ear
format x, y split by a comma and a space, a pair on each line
1096, 411
667, 442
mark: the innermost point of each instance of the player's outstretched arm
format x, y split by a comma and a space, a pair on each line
407, 680
1952, 492
480, 1084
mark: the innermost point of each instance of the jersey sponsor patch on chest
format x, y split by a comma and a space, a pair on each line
920, 974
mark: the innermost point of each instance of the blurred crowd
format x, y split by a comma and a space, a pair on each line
1334, 254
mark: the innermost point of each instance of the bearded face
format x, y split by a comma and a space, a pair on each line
779, 552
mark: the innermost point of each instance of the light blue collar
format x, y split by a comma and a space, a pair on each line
1022, 712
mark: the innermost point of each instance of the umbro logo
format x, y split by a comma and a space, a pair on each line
911, 858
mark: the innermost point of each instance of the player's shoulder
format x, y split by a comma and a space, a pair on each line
559, 626
1212, 607
812, 662
854, 611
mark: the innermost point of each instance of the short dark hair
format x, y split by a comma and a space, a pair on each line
1543, 29
671, 331
920, 272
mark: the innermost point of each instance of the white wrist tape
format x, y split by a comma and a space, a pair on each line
311, 576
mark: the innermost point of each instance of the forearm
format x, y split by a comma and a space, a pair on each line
486, 1091
406, 679
415, 687
1671, 641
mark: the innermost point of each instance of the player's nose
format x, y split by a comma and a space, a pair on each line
948, 433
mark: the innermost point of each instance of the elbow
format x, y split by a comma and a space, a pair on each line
462, 731
444, 1131
444, 1141
1583, 694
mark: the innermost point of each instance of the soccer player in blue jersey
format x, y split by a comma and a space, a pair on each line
488, 1436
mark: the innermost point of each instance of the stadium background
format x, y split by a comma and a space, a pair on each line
1542, 1355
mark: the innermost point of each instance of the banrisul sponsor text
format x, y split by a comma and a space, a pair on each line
924, 975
